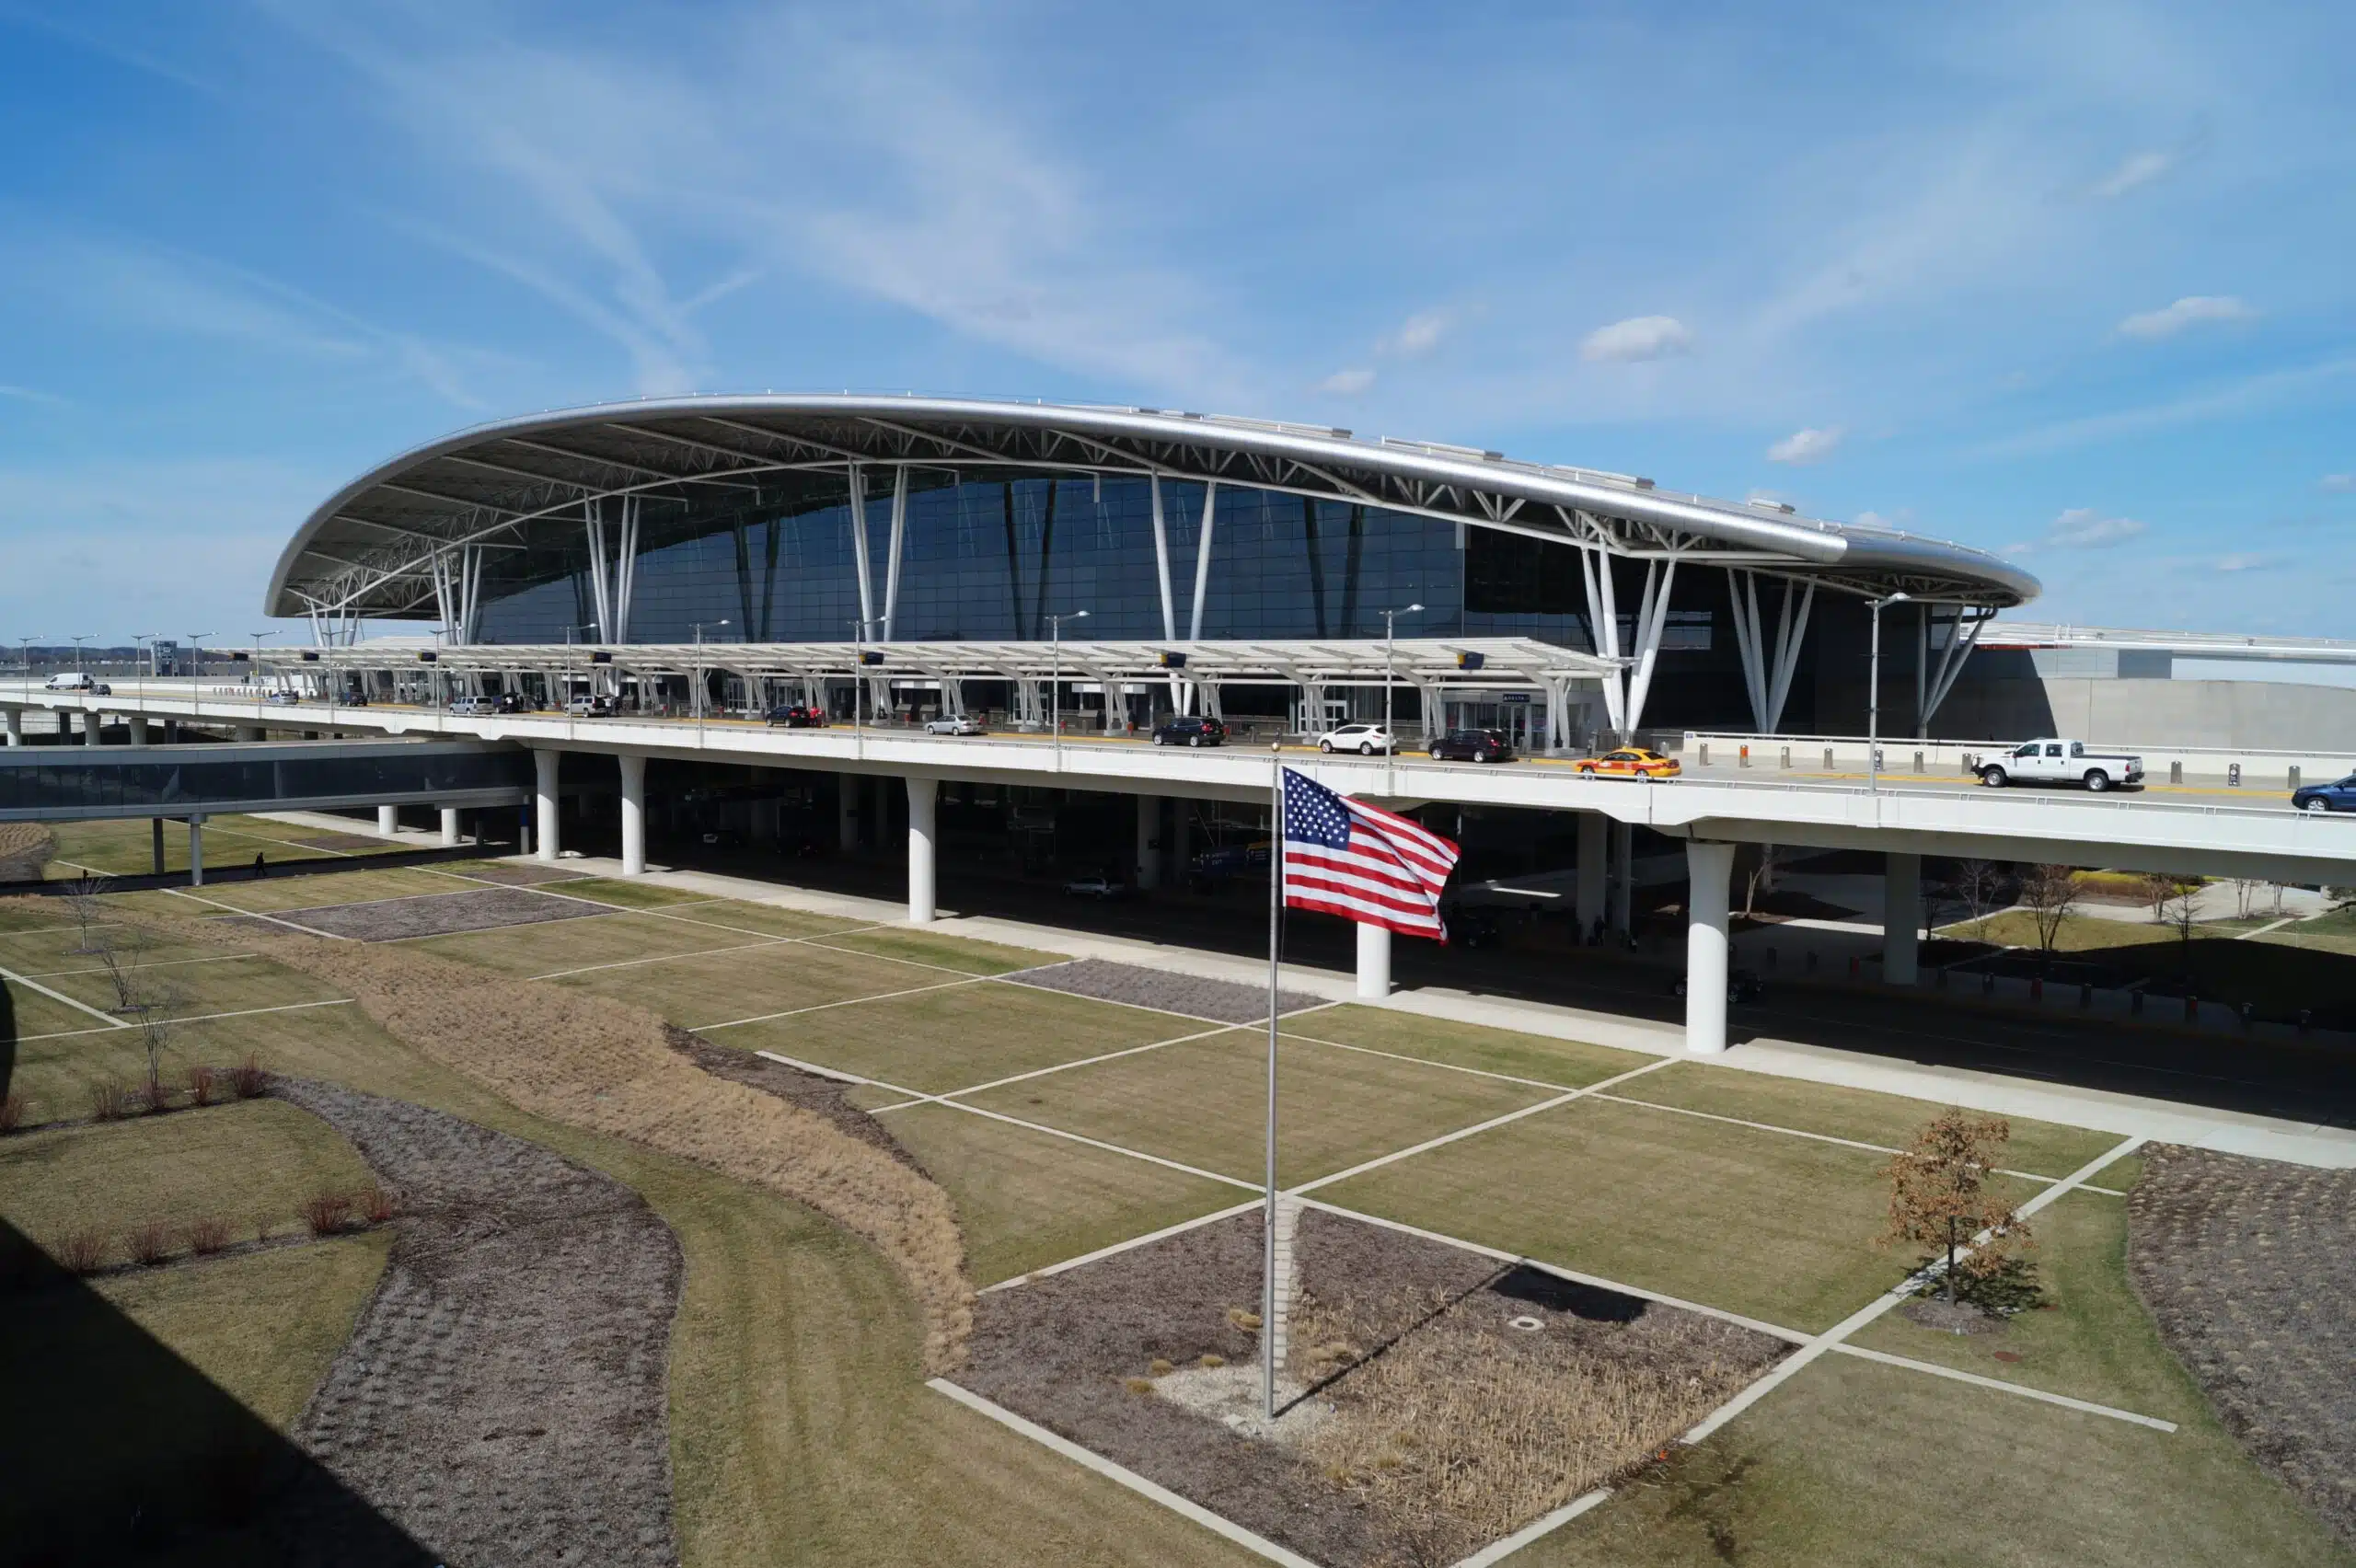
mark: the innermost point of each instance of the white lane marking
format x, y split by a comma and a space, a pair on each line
846, 1002
106, 1018
1977, 1381
1250, 1205
199, 1018
1499, 1550
158, 963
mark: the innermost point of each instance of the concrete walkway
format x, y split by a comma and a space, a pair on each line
2159, 1121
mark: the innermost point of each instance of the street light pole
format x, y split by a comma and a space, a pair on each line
78, 643
858, 682
1056, 686
1390, 675
1873, 695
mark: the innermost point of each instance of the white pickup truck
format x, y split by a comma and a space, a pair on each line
2046, 760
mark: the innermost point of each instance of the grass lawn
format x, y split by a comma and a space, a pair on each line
1571, 1063
24, 1012
1203, 1104
1027, 1200
965, 953
2093, 1341
251, 1163
1853, 1465
636, 894
742, 921
550, 946
962, 1034
275, 895
127, 847
723, 987
2314, 968
2044, 1148
187, 988
1776, 1227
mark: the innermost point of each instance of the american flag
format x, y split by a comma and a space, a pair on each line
1347, 859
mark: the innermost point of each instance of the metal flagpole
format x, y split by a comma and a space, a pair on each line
1268, 1240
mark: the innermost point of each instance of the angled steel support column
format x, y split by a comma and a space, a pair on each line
923, 810
859, 545
891, 560
1652, 615
1603, 631
1711, 868
1203, 557
634, 769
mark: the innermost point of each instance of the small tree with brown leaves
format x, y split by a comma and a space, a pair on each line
85, 897
1939, 1197
2050, 893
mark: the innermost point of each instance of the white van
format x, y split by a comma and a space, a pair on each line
71, 680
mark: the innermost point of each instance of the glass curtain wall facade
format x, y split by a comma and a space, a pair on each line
991, 557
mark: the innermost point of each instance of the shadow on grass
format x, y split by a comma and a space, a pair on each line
118, 1450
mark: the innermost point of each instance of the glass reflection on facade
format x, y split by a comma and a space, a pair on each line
991, 557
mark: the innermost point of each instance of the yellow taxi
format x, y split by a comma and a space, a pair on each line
1629, 762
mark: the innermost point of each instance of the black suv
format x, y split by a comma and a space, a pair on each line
1471, 745
797, 717
1190, 732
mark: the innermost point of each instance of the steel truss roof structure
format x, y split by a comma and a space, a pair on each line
406, 541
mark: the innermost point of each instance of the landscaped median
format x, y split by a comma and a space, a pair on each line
597, 1063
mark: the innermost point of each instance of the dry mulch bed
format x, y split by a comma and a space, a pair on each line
427, 915
824, 1095
1222, 1001
2249, 1268
502, 1397
1392, 1334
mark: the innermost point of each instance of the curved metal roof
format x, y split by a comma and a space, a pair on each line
371, 548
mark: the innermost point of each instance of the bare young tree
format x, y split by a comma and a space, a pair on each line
2050, 893
2157, 888
120, 953
157, 1022
2181, 911
1761, 878
2246, 892
85, 896
1939, 1197
1973, 886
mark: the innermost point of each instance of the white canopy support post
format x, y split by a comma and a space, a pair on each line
1962, 637
1603, 629
1162, 560
1767, 665
1203, 557
899, 532
859, 546
1744, 588
1790, 632
626, 569
593, 519
1652, 615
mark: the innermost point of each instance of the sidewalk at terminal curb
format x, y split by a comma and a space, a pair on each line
2129, 1115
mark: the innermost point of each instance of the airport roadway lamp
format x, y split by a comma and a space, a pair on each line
25, 651
196, 654
1389, 674
78, 643
1873, 694
1056, 686
142, 639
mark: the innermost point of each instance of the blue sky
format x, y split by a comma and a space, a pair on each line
2067, 280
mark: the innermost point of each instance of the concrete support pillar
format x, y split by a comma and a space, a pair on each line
16, 719
388, 818
1374, 963
1901, 919
250, 732
196, 851
1181, 838
633, 815
138, 729
923, 797
1624, 873
93, 726
1711, 868
449, 827
847, 787
544, 801
1594, 845
156, 824
1148, 857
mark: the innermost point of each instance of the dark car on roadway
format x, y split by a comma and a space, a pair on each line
2340, 795
1190, 731
798, 717
1742, 986
1471, 745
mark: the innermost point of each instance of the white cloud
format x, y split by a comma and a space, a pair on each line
1419, 334
1804, 447
2084, 528
2139, 170
1347, 383
1638, 337
2244, 563
2339, 484
2191, 310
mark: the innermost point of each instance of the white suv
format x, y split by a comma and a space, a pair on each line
1364, 739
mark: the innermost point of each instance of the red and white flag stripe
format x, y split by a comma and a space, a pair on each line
1344, 858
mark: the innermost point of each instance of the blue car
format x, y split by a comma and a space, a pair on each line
2340, 795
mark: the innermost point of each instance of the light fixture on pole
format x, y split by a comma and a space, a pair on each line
142, 639
257, 641
1390, 668
78, 643
1056, 686
1872, 693
25, 651
859, 681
